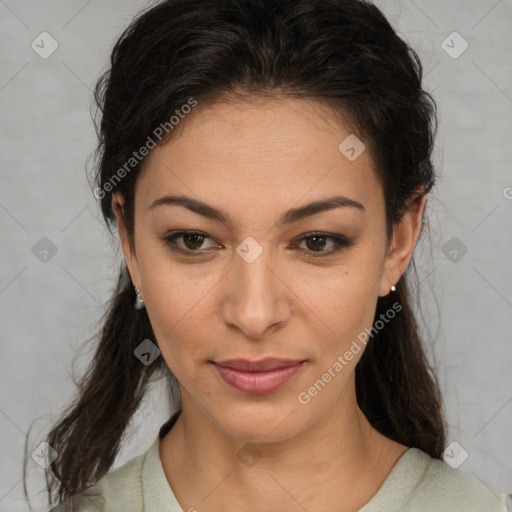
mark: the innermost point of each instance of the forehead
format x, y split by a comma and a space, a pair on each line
263, 153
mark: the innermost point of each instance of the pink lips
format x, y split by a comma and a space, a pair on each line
257, 377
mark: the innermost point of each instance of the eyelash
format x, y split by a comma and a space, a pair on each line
340, 242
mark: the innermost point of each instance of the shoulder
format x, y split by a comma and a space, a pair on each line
420, 483
443, 488
121, 489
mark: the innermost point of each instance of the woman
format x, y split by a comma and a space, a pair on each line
267, 164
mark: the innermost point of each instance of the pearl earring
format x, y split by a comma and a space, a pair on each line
139, 301
393, 288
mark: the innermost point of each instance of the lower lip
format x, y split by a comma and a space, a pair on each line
257, 383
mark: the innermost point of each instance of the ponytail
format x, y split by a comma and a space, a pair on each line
395, 385
90, 431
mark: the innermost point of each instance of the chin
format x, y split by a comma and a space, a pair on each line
257, 421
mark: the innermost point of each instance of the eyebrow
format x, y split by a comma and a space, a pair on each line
291, 216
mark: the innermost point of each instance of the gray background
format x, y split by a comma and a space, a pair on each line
48, 309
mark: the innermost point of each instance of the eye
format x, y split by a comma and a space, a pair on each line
192, 242
317, 241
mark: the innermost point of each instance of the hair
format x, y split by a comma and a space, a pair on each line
343, 53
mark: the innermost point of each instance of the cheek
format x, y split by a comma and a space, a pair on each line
177, 303
341, 306
175, 293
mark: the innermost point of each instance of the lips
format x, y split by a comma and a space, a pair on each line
257, 377
263, 365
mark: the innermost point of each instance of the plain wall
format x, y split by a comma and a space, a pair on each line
48, 309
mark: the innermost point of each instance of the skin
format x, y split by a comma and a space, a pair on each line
256, 160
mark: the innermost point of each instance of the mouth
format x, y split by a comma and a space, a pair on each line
257, 377
263, 365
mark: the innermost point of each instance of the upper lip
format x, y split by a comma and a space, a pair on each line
267, 364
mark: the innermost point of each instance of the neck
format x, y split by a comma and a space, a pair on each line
338, 456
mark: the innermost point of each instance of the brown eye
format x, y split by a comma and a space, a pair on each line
316, 242
192, 242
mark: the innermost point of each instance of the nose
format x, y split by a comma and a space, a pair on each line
256, 299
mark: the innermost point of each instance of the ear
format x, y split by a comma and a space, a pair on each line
405, 237
128, 251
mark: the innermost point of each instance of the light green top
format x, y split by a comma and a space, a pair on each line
416, 483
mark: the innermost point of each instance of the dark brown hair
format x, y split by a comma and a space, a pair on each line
343, 53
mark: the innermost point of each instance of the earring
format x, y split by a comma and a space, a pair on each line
139, 301
393, 288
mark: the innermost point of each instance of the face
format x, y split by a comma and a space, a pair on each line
255, 274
